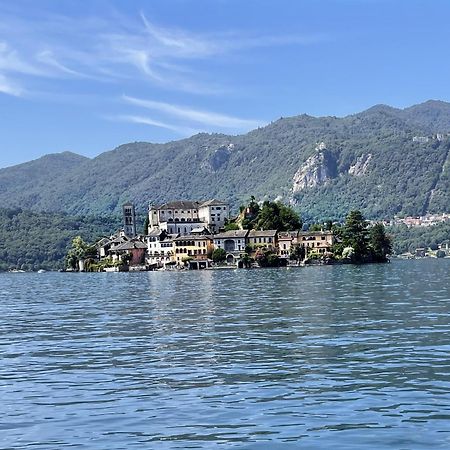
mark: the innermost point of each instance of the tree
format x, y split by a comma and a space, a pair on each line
297, 252
146, 224
355, 234
266, 258
380, 243
77, 253
231, 226
315, 227
246, 261
277, 216
219, 255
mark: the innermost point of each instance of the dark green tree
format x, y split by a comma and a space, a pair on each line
356, 235
277, 216
380, 243
297, 252
219, 255
146, 224
231, 226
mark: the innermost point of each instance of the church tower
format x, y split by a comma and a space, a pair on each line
129, 220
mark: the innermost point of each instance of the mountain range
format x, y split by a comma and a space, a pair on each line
384, 161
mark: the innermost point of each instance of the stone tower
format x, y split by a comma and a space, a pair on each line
129, 220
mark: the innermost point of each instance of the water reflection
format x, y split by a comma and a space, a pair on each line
318, 357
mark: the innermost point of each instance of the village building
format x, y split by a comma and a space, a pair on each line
267, 239
286, 242
182, 217
316, 241
233, 242
213, 213
134, 249
193, 247
160, 248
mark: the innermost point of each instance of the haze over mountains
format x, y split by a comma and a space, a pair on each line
384, 161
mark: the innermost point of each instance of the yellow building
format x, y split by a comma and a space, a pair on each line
316, 241
267, 239
192, 247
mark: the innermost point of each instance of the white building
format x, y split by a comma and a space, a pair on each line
213, 213
159, 248
181, 217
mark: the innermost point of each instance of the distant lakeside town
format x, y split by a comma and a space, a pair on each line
194, 235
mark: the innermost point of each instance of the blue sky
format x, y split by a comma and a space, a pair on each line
87, 76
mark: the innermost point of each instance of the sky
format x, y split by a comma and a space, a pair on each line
87, 76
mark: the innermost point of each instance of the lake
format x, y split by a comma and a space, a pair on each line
352, 357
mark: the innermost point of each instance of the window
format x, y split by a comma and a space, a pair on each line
323, 238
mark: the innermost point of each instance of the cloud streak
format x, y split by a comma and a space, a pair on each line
206, 118
60, 46
183, 131
10, 88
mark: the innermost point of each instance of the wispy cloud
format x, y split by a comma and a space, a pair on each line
41, 51
121, 47
206, 118
12, 62
10, 88
183, 131
47, 57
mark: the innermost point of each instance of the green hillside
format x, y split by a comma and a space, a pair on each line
33, 241
369, 161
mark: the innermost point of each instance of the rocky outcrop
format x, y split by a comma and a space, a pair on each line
316, 170
360, 167
220, 157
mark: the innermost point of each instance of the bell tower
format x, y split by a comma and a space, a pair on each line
129, 220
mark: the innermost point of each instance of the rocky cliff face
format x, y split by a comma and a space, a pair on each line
360, 167
220, 157
315, 171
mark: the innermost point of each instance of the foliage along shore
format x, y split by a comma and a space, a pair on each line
353, 242
31, 241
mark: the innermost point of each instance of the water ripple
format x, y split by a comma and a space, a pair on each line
344, 357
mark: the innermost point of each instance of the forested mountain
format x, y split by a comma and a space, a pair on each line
384, 161
33, 241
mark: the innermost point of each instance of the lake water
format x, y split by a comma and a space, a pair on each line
321, 357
